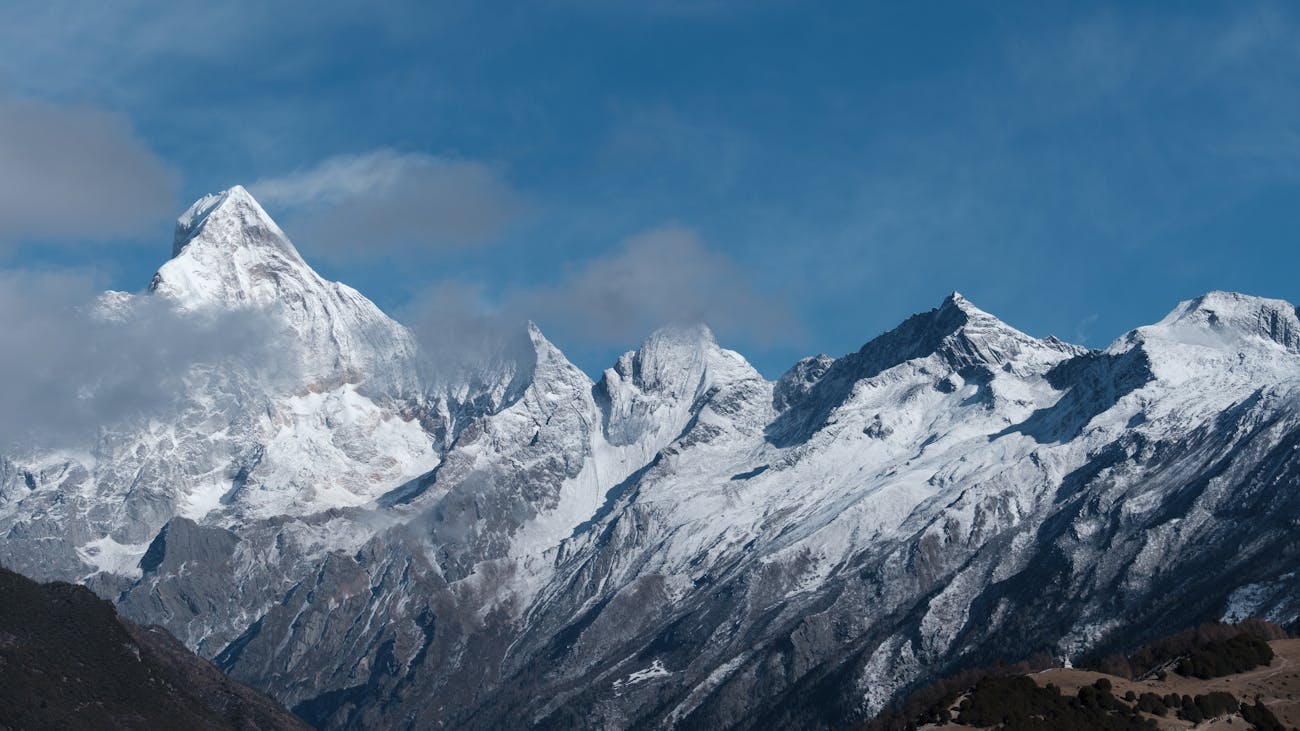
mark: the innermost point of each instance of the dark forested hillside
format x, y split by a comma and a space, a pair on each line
67, 661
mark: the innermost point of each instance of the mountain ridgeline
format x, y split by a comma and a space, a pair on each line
680, 543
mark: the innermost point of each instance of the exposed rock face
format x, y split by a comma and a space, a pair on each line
681, 543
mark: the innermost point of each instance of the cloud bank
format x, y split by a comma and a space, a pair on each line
76, 172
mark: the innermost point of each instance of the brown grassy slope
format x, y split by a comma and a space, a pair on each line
1277, 685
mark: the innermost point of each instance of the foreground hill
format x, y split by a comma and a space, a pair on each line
1264, 694
67, 661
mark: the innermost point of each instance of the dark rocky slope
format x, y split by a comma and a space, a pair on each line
67, 661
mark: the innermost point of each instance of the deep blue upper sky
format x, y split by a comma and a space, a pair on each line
800, 176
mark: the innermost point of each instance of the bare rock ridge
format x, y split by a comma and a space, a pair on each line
680, 543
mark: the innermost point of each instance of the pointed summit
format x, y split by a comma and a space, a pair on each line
229, 254
956, 300
954, 339
232, 216
956, 303
959, 332
228, 250
545, 358
500, 369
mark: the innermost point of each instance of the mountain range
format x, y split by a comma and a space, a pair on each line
680, 543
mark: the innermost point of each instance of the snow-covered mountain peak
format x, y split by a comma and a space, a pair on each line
1222, 318
520, 360
952, 344
228, 253
666, 351
959, 311
675, 360
955, 300
795, 383
656, 386
960, 335
541, 345
972, 320
548, 363
231, 217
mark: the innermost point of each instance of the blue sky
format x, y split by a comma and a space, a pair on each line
801, 176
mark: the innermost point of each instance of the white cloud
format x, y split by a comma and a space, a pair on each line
666, 276
662, 277
388, 202
66, 371
460, 332
76, 172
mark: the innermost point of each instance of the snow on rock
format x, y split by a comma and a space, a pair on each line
656, 670
108, 556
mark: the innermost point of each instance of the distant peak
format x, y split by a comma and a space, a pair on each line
1232, 314
957, 331
231, 217
675, 349
795, 383
676, 356
1218, 303
1219, 299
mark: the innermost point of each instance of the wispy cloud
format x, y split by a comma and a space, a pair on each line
461, 331
1083, 331
76, 172
385, 202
